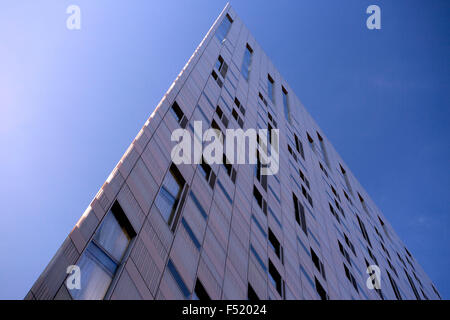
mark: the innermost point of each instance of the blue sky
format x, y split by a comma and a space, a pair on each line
72, 101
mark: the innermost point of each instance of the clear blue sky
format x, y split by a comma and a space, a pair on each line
72, 101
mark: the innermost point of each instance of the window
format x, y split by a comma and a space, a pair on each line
287, 112
350, 277
178, 279
259, 199
239, 105
270, 83
245, 70
317, 263
222, 66
320, 290
299, 146
200, 292
364, 231
394, 286
324, 150
349, 244
178, 114
276, 246
276, 279
303, 177
334, 213
347, 181
413, 286
344, 252
435, 291
224, 27
229, 168
323, 169
206, 171
221, 116
169, 196
103, 255
300, 214
251, 294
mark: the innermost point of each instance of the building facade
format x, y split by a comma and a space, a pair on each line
158, 230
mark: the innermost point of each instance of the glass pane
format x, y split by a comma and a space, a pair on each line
112, 237
172, 185
165, 202
95, 280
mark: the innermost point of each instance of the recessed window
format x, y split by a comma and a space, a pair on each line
200, 292
300, 214
247, 61
317, 263
276, 246
103, 255
178, 114
169, 196
320, 290
276, 279
270, 86
286, 109
251, 294
224, 27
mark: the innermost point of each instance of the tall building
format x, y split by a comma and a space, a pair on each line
158, 230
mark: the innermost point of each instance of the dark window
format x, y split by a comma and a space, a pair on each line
299, 146
251, 294
276, 246
276, 279
394, 287
320, 290
178, 114
317, 263
270, 83
364, 231
300, 214
413, 286
200, 292
350, 277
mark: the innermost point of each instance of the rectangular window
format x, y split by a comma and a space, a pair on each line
224, 27
276, 246
221, 66
300, 214
260, 200
270, 87
276, 279
169, 196
179, 114
318, 263
247, 61
299, 146
104, 254
286, 109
